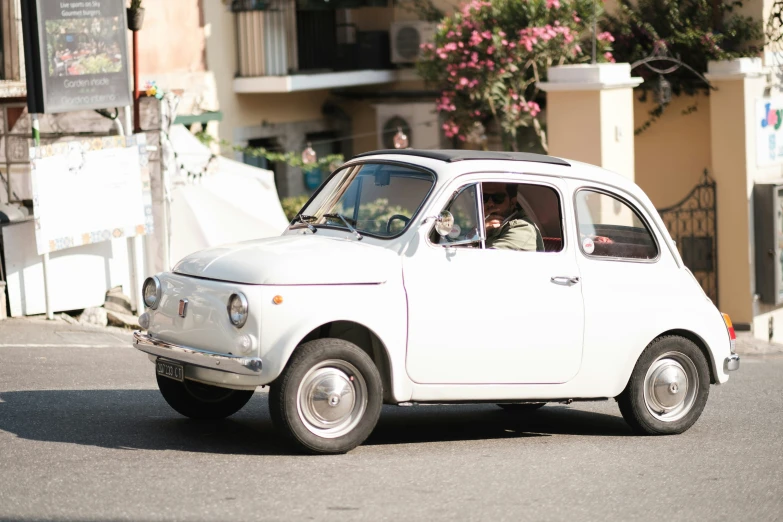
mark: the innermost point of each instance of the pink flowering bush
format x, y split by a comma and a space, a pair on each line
487, 57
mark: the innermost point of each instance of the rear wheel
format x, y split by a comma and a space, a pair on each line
202, 401
668, 388
328, 398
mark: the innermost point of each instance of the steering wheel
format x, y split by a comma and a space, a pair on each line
404, 219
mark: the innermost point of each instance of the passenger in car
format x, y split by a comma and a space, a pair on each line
507, 224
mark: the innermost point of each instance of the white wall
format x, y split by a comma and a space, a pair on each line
78, 277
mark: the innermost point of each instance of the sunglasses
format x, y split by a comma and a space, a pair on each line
497, 197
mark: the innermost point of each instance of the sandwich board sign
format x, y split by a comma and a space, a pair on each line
76, 55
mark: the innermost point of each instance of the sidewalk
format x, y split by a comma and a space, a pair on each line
749, 345
37, 331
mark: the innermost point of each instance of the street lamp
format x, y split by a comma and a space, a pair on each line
663, 91
400, 139
308, 155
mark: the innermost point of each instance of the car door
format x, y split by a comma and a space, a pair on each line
628, 277
481, 316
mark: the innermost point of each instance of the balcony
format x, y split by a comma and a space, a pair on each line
303, 45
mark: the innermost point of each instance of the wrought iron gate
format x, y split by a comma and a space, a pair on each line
693, 226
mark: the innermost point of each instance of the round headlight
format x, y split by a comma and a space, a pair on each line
151, 292
237, 310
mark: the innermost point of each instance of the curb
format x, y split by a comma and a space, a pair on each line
749, 345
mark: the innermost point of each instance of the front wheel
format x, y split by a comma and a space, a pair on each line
668, 388
328, 398
202, 401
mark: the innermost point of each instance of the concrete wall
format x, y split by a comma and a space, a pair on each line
729, 155
673, 152
172, 39
247, 110
617, 151
567, 111
593, 126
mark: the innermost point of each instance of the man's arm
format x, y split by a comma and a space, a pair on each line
521, 235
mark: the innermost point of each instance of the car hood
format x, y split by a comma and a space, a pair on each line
293, 260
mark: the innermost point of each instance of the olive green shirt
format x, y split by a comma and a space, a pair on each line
516, 233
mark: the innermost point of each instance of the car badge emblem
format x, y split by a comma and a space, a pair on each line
183, 307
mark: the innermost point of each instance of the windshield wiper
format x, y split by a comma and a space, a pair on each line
336, 215
304, 219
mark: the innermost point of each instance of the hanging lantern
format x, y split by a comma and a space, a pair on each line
308, 155
663, 91
400, 139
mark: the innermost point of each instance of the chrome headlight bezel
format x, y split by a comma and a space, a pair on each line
240, 321
151, 281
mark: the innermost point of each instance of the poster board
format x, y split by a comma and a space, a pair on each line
76, 54
768, 122
89, 191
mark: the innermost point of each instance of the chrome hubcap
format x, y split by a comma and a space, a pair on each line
670, 386
331, 398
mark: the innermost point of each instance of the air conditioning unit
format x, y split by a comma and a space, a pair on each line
419, 121
407, 37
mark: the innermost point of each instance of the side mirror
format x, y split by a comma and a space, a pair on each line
444, 223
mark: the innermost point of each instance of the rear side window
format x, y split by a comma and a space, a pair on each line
609, 227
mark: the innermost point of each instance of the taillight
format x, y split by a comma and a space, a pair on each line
732, 335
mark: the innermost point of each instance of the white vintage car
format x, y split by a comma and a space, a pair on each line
415, 277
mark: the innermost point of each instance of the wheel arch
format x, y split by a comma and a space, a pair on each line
363, 337
698, 341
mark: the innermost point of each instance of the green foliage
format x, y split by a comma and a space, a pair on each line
695, 31
99, 64
292, 205
488, 56
374, 217
424, 9
293, 159
135, 4
775, 23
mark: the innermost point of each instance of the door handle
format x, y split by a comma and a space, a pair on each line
565, 280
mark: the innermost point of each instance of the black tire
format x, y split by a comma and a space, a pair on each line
202, 401
664, 362
523, 407
340, 370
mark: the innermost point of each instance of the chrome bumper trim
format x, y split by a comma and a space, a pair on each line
731, 363
214, 361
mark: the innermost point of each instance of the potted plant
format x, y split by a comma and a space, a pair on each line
135, 15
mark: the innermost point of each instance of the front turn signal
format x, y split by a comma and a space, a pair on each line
732, 334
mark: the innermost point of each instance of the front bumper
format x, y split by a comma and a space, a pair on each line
731, 363
247, 366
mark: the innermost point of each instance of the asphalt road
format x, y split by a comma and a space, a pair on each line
85, 435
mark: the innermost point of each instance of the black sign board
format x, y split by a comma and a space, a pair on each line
76, 55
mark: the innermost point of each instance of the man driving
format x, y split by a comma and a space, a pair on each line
508, 227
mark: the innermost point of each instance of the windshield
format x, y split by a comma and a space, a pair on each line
376, 199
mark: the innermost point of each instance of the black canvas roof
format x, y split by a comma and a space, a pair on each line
452, 155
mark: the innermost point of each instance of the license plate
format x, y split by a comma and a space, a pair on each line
171, 370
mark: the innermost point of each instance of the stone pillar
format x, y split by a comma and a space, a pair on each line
738, 84
589, 114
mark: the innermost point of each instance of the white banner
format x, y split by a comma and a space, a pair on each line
90, 191
769, 131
